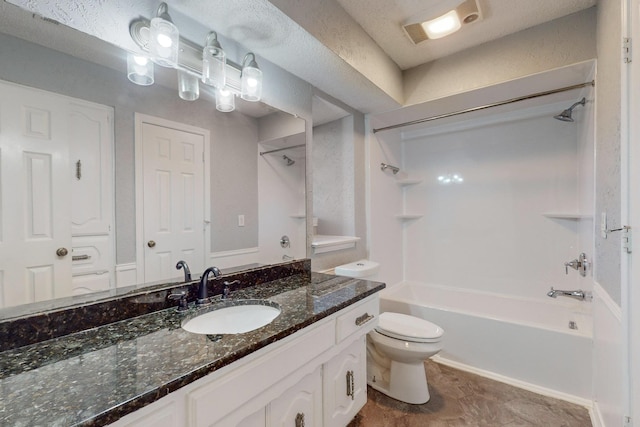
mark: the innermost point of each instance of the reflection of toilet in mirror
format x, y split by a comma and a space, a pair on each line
397, 347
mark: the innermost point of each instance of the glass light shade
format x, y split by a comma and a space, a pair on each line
214, 63
443, 25
164, 41
251, 84
225, 100
188, 87
139, 70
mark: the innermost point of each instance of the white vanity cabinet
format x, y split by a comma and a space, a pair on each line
345, 384
315, 377
300, 406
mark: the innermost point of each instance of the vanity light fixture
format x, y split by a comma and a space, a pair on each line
139, 69
164, 38
207, 63
251, 77
214, 62
188, 88
225, 100
431, 26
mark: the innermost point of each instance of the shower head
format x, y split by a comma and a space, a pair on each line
565, 116
289, 160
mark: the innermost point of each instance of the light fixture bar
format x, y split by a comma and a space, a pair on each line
190, 57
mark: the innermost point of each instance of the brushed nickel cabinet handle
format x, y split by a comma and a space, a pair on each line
80, 257
300, 420
364, 319
350, 385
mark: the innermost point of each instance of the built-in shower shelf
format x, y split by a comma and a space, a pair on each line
406, 217
567, 215
322, 243
299, 216
406, 182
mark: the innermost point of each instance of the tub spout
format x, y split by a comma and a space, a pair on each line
579, 294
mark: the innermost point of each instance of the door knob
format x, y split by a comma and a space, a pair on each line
62, 252
151, 243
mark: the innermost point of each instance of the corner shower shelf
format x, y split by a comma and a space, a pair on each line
406, 217
406, 182
567, 215
322, 243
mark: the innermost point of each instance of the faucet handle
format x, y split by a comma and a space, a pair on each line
181, 296
227, 288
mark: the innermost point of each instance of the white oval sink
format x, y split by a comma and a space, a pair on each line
236, 317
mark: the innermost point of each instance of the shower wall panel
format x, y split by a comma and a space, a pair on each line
489, 232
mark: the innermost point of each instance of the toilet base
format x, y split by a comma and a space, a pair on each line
406, 382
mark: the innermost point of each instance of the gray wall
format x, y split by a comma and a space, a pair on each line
233, 136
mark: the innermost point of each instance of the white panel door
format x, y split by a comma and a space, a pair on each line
173, 162
34, 196
90, 147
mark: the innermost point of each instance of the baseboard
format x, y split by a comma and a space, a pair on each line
596, 416
126, 274
516, 383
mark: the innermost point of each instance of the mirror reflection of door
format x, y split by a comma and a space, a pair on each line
55, 216
173, 161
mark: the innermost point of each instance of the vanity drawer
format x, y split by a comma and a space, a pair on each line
362, 318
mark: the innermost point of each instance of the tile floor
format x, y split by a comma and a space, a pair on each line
459, 398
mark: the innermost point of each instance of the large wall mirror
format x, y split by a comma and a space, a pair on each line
80, 191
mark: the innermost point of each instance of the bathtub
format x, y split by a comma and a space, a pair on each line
524, 342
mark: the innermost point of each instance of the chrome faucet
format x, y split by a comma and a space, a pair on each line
579, 294
203, 293
580, 264
187, 273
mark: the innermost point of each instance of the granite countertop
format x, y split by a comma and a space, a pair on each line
94, 377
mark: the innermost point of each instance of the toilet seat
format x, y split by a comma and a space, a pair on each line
408, 328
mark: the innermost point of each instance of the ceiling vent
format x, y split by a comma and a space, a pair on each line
419, 29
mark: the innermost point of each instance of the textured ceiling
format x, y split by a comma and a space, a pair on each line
383, 19
351, 56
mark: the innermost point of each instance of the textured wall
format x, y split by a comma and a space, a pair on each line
608, 96
555, 44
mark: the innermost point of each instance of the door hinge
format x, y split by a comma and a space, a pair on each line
627, 421
626, 237
626, 50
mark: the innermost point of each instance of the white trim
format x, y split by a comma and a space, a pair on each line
631, 294
602, 295
596, 416
224, 254
140, 119
126, 275
516, 383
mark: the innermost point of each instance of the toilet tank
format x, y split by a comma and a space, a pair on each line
358, 269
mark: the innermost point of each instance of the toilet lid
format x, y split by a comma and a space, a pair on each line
408, 328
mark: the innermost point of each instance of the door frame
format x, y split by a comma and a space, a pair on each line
141, 119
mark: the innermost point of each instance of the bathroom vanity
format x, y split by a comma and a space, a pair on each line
307, 367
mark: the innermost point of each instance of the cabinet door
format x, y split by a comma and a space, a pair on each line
300, 406
345, 384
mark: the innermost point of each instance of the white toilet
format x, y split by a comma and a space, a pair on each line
397, 347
